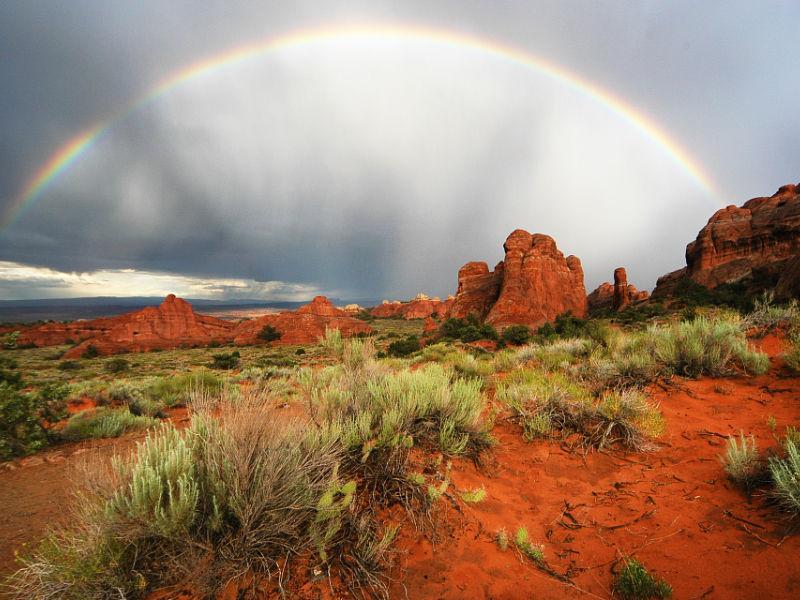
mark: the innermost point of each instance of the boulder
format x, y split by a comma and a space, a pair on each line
532, 285
752, 244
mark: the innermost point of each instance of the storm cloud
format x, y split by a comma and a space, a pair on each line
375, 168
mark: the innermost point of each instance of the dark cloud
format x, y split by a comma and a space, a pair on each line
377, 172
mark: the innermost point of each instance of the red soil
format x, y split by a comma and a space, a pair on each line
673, 508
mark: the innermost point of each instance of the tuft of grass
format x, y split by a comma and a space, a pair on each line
104, 422
706, 346
792, 356
176, 391
526, 548
634, 582
786, 477
475, 496
741, 461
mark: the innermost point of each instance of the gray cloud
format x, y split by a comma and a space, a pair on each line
378, 171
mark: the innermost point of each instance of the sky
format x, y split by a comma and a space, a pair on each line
370, 165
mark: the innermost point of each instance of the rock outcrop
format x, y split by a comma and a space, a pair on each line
171, 324
419, 308
174, 324
752, 244
303, 326
532, 285
617, 296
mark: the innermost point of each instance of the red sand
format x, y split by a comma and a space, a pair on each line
672, 508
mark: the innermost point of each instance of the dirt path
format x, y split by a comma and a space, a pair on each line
673, 508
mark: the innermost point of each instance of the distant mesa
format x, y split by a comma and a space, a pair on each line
174, 324
531, 286
616, 296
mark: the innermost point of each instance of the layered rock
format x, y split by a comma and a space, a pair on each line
306, 325
753, 244
171, 324
617, 296
532, 285
174, 324
419, 308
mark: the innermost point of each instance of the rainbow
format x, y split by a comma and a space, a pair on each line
74, 148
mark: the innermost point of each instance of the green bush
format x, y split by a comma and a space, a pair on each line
69, 365
117, 365
104, 422
634, 582
269, 334
516, 334
467, 330
90, 352
404, 347
21, 430
225, 360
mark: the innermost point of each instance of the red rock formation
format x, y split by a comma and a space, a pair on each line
171, 324
419, 308
306, 325
478, 290
752, 243
617, 296
789, 284
531, 286
602, 298
321, 306
174, 324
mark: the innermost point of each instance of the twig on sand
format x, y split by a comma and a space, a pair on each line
728, 513
644, 515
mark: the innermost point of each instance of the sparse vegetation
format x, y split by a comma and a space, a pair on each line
104, 422
526, 548
268, 333
475, 496
90, 352
786, 476
634, 582
117, 365
742, 462
467, 330
226, 360
404, 347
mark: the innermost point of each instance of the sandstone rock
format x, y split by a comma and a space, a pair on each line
602, 298
533, 284
306, 325
478, 290
430, 325
753, 244
420, 307
171, 324
615, 297
789, 283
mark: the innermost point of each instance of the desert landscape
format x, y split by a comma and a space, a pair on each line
399, 300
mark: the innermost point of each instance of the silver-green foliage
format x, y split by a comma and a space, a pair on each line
786, 477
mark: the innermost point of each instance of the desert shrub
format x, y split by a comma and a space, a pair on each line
225, 360
238, 491
786, 477
567, 326
69, 365
792, 356
11, 378
175, 391
104, 422
516, 334
404, 347
550, 404
300, 351
502, 539
21, 430
467, 364
505, 360
467, 330
634, 582
475, 496
51, 399
741, 461
90, 352
117, 365
639, 313
706, 346
276, 361
767, 315
268, 333
735, 295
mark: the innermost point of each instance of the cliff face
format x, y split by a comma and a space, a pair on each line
752, 243
532, 285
